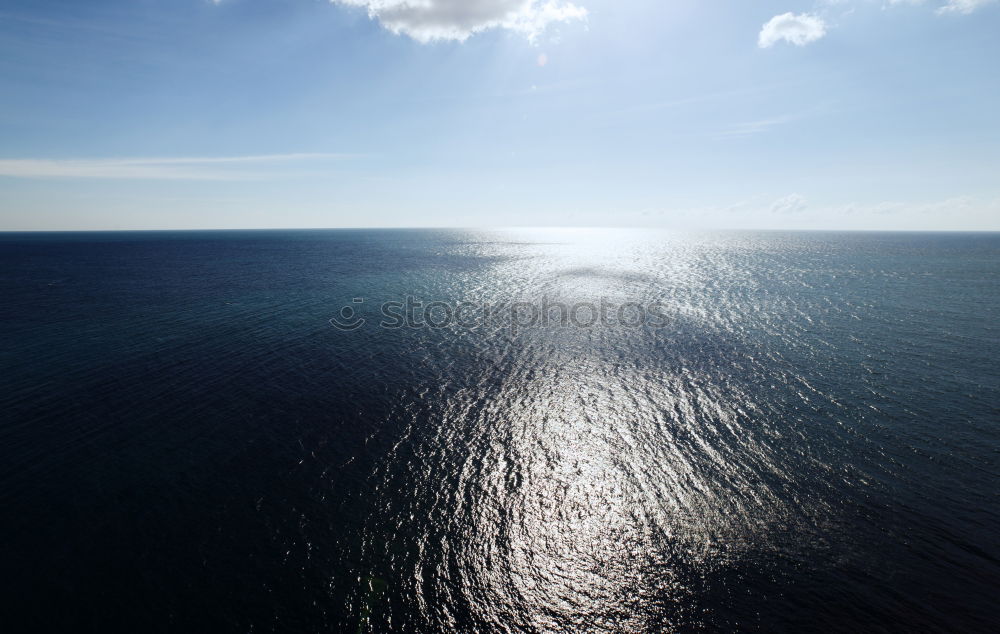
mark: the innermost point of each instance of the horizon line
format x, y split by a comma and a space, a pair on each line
497, 228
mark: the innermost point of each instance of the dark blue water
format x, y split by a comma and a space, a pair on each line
806, 437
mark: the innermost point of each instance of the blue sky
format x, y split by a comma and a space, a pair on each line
832, 114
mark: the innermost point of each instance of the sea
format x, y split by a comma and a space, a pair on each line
519, 430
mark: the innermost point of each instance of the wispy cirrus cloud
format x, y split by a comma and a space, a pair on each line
963, 7
750, 128
157, 168
429, 20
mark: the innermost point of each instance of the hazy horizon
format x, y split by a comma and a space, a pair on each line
506, 228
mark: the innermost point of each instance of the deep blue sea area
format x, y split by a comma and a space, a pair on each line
499, 431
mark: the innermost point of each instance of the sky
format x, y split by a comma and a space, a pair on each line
202, 114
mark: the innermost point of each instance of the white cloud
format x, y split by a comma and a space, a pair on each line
428, 20
963, 7
790, 204
795, 29
176, 168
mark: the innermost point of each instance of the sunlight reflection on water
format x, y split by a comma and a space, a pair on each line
579, 467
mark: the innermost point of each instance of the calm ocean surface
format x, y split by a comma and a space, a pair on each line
807, 438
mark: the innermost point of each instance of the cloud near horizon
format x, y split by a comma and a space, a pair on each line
790, 204
430, 20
